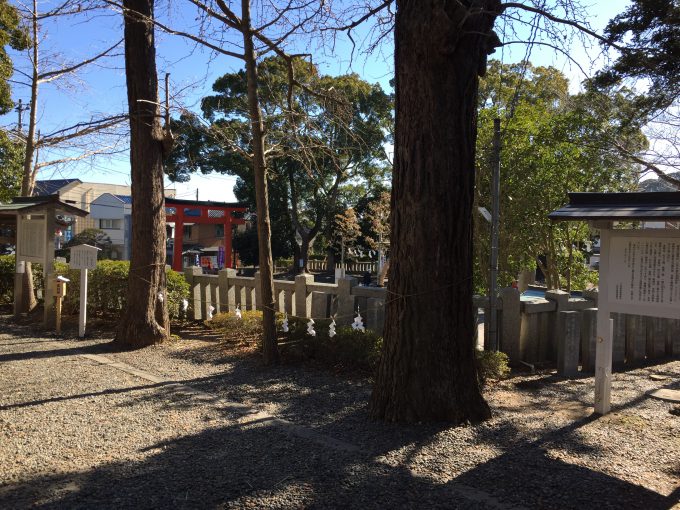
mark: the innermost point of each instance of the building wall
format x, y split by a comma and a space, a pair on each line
205, 235
83, 194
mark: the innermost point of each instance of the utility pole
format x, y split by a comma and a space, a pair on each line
19, 109
196, 194
495, 206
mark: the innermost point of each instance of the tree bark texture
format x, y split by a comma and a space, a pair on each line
428, 369
270, 350
28, 178
145, 320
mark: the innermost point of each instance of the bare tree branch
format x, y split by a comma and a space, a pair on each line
53, 75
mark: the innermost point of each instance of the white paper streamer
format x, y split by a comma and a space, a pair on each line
310, 328
358, 324
331, 329
238, 312
284, 325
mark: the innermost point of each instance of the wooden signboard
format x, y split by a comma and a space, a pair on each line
31, 243
84, 256
640, 275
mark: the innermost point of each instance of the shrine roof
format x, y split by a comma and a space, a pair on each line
26, 205
620, 206
231, 205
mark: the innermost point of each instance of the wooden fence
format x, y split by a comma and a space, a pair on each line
537, 330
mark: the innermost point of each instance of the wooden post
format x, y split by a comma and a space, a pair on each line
82, 318
19, 271
60, 292
605, 331
48, 267
57, 306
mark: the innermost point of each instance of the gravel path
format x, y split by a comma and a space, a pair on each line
189, 425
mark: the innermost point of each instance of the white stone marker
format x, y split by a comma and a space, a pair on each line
83, 257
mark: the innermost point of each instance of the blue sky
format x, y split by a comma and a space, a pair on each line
192, 71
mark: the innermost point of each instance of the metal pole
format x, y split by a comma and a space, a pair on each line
495, 206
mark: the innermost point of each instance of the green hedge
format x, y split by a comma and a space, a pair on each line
107, 286
6, 278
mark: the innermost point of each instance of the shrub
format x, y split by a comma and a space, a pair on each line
249, 327
6, 278
107, 286
348, 349
178, 291
492, 365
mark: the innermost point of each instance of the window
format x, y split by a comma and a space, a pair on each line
106, 224
187, 231
219, 230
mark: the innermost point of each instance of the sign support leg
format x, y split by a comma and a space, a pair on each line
83, 303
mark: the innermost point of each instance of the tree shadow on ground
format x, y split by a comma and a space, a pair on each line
259, 465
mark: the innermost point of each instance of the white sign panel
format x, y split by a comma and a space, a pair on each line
83, 257
644, 275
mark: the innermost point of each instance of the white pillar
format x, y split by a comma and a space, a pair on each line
605, 332
83, 303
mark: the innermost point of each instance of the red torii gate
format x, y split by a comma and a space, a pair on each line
202, 213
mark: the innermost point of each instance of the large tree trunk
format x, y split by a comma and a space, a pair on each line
270, 350
427, 371
28, 178
308, 239
145, 320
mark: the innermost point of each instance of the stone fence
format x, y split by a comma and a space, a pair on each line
350, 267
300, 298
562, 329
557, 328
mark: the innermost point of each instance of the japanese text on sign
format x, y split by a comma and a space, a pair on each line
645, 271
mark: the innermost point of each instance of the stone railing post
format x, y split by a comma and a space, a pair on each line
319, 305
258, 291
346, 300
303, 297
568, 335
619, 340
636, 338
656, 337
588, 339
673, 340
227, 290
190, 274
561, 300
510, 323
375, 314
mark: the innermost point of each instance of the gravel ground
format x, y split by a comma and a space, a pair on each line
76, 433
